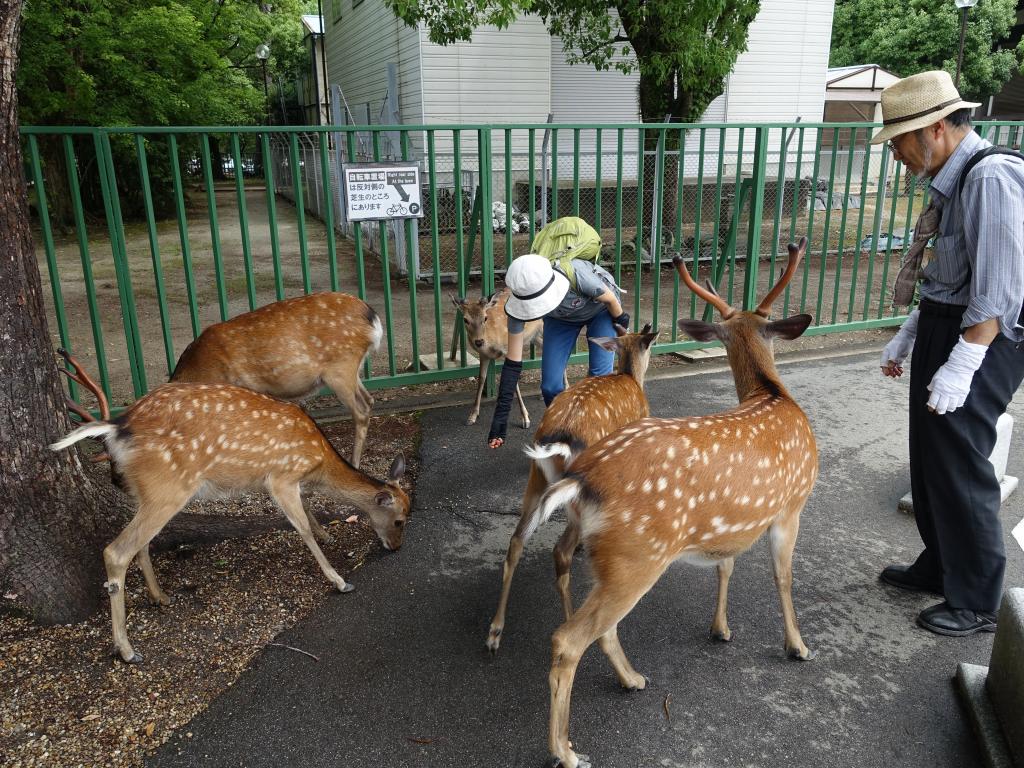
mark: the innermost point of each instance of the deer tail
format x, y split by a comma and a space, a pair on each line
552, 459
97, 429
557, 495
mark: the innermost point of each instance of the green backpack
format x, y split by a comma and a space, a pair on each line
565, 239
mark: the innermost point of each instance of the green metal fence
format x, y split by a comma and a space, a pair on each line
151, 234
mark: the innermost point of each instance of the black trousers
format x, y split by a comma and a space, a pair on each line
956, 492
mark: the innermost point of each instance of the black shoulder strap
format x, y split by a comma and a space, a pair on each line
977, 157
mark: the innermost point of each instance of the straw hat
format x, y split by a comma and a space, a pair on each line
536, 287
918, 101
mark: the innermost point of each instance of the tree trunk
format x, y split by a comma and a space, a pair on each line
53, 519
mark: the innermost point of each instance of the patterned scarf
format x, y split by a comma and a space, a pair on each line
910, 271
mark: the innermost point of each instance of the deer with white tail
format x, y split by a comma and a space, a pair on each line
576, 418
289, 349
697, 489
185, 441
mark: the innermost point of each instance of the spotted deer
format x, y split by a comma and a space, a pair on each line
697, 489
185, 441
289, 349
578, 417
487, 330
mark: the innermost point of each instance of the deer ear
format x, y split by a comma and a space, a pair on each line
397, 468
458, 301
700, 331
384, 499
610, 343
649, 338
646, 328
492, 300
788, 328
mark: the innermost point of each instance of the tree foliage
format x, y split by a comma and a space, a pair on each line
920, 35
153, 62
682, 49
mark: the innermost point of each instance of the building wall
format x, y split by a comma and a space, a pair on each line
360, 45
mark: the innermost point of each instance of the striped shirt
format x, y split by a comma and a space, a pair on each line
979, 250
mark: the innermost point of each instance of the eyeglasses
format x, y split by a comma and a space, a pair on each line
892, 147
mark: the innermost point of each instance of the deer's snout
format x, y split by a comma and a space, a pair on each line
478, 343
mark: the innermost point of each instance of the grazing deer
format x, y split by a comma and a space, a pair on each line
699, 489
184, 441
289, 349
487, 331
577, 417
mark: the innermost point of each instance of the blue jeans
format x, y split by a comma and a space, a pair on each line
560, 338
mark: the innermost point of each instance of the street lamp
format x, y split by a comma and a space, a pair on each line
263, 53
964, 6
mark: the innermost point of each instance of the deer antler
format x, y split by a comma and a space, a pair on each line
709, 296
86, 381
796, 252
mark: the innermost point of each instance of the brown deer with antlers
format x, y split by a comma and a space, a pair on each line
578, 417
700, 489
185, 441
289, 349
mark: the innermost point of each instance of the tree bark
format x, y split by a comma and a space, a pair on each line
53, 520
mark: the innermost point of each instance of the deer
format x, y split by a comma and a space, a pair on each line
183, 441
577, 417
487, 330
289, 349
700, 489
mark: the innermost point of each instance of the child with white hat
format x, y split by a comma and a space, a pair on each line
540, 289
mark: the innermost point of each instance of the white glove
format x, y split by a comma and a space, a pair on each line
952, 382
899, 347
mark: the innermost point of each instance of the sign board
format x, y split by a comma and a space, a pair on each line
382, 191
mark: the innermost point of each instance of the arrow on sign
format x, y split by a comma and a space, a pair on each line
401, 192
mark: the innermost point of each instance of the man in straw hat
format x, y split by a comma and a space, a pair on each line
540, 289
966, 339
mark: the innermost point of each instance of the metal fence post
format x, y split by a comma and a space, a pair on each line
758, 173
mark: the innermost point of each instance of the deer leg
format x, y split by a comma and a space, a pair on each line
720, 624
534, 488
288, 497
344, 381
318, 530
147, 523
157, 595
522, 408
782, 537
600, 613
563, 552
480, 384
629, 678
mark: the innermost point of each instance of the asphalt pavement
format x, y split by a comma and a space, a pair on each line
404, 678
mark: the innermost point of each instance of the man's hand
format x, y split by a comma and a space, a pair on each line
899, 347
622, 321
952, 382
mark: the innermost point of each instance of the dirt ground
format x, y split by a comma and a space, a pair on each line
815, 289
66, 702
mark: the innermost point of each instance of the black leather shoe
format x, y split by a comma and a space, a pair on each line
903, 577
942, 619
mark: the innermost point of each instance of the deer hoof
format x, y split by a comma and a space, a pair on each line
346, 587
722, 636
525, 424
162, 600
494, 639
636, 684
806, 655
471, 420
135, 658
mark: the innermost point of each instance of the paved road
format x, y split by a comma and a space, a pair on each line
404, 678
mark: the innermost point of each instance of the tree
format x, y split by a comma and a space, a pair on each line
682, 49
52, 518
920, 35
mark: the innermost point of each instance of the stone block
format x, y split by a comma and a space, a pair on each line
1005, 683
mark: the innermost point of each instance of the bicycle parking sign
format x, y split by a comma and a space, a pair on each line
382, 191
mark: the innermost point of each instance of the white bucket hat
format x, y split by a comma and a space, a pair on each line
916, 102
536, 287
